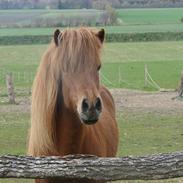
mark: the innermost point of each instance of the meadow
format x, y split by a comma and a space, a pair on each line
24, 18
158, 133
120, 60
150, 16
108, 29
131, 20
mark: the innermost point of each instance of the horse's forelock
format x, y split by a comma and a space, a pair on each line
79, 49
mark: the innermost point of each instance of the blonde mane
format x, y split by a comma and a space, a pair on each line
77, 50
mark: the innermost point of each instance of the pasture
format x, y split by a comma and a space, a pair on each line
132, 20
164, 61
161, 133
109, 29
151, 16
24, 18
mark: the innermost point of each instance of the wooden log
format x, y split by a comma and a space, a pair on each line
161, 166
10, 88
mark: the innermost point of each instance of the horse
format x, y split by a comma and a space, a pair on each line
71, 111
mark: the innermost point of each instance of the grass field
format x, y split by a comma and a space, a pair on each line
151, 16
133, 20
108, 29
128, 16
158, 133
164, 61
23, 18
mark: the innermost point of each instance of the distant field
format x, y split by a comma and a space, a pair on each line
128, 16
23, 18
151, 16
164, 61
132, 20
108, 29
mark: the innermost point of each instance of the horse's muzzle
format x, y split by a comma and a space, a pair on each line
90, 112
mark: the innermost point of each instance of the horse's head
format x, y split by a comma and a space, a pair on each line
77, 64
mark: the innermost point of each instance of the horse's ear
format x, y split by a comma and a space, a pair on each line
101, 35
57, 36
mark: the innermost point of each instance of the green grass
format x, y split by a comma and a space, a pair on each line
13, 132
166, 74
150, 16
16, 181
108, 29
13, 135
24, 18
133, 20
145, 51
128, 16
160, 133
164, 61
149, 134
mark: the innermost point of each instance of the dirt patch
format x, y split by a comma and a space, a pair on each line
162, 103
22, 106
133, 101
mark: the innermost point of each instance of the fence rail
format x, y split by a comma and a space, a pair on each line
154, 167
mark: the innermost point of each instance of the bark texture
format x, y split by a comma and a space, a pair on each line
162, 166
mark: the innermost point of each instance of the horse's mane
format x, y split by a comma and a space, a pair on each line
76, 50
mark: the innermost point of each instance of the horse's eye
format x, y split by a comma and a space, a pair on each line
98, 67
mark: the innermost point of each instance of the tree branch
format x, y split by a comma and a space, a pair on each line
162, 166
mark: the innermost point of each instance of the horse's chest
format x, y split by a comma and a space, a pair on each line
80, 140
70, 142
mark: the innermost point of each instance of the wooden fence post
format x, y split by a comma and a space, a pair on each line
10, 88
145, 75
180, 91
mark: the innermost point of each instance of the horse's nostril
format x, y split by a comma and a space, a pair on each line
85, 105
98, 104
90, 113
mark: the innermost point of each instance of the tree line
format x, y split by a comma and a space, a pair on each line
88, 4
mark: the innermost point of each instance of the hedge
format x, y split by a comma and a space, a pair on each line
143, 37
113, 37
19, 40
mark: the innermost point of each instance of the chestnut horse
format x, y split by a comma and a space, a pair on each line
71, 112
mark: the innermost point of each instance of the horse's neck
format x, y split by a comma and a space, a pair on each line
69, 132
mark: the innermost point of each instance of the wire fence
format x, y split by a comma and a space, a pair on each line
23, 81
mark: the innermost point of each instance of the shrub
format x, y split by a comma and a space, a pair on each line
112, 37
181, 19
